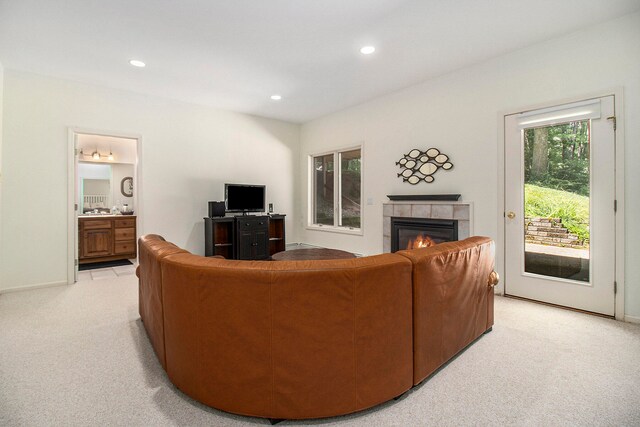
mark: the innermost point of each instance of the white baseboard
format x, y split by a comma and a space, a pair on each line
31, 287
632, 319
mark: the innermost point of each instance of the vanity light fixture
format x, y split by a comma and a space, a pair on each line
96, 155
137, 63
367, 50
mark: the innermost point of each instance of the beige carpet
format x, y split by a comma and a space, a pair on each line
78, 355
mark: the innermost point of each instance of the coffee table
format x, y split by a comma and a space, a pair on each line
309, 254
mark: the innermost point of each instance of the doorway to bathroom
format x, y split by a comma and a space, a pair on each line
104, 203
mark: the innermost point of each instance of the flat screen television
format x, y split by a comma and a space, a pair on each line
244, 198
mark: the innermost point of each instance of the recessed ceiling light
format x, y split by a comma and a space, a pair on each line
367, 50
137, 63
276, 97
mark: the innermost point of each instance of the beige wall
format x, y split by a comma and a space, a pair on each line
188, 153
1, 150
458, 113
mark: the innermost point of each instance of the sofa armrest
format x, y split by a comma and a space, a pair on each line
452, 299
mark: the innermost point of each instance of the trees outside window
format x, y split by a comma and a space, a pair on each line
558, 157
336, 189
557, 175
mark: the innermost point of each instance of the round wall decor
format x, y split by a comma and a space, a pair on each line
422, 165
126, 186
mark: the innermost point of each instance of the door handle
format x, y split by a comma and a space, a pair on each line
511, 214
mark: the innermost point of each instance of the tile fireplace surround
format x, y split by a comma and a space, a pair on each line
461, 211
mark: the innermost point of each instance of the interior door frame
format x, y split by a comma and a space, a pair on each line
617, 92
72, 219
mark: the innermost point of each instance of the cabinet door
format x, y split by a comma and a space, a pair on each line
245, 244
261, 244
253, 238
96, 243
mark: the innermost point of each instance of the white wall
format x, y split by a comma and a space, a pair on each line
1, 150
188, 152
458, 113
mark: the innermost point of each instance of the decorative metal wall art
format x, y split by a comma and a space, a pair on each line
421, 165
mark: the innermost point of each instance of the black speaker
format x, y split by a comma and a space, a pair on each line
216, 209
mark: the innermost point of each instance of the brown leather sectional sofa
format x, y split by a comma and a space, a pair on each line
311, 339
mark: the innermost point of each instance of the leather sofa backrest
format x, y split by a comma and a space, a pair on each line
452, 299
151, 249
288, 339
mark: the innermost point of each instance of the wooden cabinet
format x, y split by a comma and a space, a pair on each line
219, 237
252, 237
277, 241
106, 238
244, 237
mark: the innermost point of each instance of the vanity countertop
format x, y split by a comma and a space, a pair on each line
81, 216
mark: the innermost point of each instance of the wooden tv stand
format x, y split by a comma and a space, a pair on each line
248, 237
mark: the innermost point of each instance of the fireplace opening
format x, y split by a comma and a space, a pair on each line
409, 233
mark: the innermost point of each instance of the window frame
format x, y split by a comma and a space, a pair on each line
337, 193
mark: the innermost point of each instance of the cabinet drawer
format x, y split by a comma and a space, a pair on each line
253, 224
124, 247
126, 234
93, 224
125, 223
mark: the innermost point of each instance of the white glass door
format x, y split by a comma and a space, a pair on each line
559, 205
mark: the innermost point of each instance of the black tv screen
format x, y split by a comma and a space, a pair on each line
244, 198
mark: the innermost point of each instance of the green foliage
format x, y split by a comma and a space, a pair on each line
550, 203
350, 167
568, 158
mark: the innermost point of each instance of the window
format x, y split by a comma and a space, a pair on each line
336, 189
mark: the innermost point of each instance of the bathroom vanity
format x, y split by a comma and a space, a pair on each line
106, 238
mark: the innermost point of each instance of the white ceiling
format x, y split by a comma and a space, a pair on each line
234, 54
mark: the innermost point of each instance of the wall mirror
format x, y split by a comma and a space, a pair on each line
103, 186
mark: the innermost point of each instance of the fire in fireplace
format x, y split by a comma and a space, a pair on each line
410, 233
420, 242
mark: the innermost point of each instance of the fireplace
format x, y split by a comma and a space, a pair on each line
460, 211
406, 232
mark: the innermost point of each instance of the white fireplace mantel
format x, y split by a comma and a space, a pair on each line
461, 211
